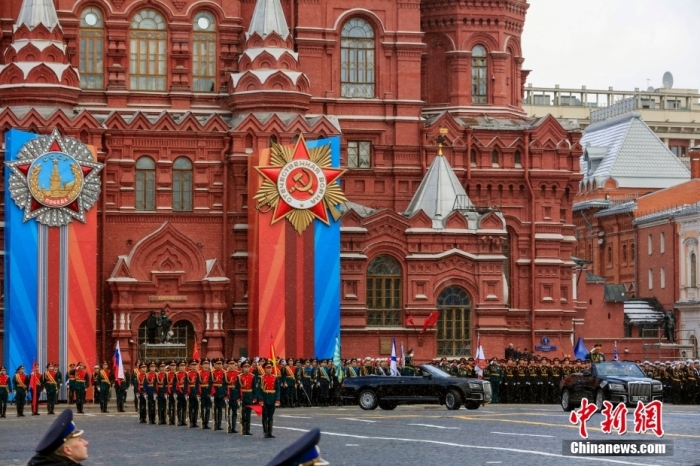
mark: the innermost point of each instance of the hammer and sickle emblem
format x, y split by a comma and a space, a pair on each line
299, 183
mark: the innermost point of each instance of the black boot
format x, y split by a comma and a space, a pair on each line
246, 428
217, 420
269, 429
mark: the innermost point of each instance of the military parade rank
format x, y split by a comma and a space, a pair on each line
246, 388
205, 392
193, 393
51, 380
170, 375
162, 391
150, 387
218, 389
269, 393
5, 389
230, 378
140, 387
180, 393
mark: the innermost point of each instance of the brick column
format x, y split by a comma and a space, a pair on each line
459, 67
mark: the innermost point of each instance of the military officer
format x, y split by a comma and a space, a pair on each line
134, 378
353, 370
408, 367
246, 392
556, 376
180, 388
94, 382
269, 393
307, 382
21, 385
596, 355
51, 380
140, 390
151, 387
104, 380
325, 383
192, 391
170, 375
231, 404
70, 379
81, 382
5, 389
162, 390
205, 392
218, 383
289, 386
494, 374
508, 385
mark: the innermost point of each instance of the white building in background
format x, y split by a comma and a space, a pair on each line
673, 114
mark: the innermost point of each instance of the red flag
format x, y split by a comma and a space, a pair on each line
409, 320
257, 408
430, 321
32, 384
195, 351
273, 359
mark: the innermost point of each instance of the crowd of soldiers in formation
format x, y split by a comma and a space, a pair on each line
180, 393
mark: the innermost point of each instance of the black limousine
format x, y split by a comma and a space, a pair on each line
617, 382
430, 385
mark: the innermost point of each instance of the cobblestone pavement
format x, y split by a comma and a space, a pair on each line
409, 435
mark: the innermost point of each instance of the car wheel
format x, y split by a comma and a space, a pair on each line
368, 400
599, 398
566, 400
453, 400
388, 405
472, 405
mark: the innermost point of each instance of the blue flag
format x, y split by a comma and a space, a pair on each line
580, 351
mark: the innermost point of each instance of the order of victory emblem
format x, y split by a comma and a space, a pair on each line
54, 180
300, 185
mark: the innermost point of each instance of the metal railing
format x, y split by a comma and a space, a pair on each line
173, 348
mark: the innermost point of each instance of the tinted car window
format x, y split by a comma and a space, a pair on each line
434, 371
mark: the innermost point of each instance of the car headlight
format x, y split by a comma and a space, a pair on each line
474, 386
657, 387
616, 386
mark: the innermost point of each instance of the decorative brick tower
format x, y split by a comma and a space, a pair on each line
36, 69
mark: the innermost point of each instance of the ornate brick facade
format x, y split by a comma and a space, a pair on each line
207, 94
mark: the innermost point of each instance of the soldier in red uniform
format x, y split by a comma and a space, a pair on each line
150, 389
140, 391
218, 389
205, 393
269, 393
193, 393
170, 374
181, 392
246, 391
231, 397
161, 392
5, 389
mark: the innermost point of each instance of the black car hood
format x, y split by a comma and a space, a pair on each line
626, 379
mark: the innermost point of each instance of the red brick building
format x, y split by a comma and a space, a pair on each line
176, 96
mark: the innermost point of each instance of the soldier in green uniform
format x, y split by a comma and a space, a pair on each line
21, 385
508, 384
269, 397
121, 384
325, 383
104, 380
218, 390
494, 374
50, 380
246, 391
555, 378
289, 385
596, 355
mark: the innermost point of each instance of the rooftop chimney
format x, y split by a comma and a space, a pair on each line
694, 154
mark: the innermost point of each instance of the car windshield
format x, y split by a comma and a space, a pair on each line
618, 369
434, 371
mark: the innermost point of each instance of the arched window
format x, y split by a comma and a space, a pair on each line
472, 158
148, 60
204, 53
145, 184
384, 292
479, 79
693, 270
357, 59
182, 184
454, 323
494, 158
91, 49
624, 253
517, 159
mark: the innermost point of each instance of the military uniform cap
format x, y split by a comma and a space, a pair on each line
49, 365
182, 363
267, 364
206, 360
194, 361
21, 366
246, 363
597, 344
301, 452
61, 430
162, 364
143, 364
353, 360
152, 364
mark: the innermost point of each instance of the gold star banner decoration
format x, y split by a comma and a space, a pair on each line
300, 185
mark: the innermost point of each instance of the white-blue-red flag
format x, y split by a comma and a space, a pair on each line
392, 366
118, 365
615, 356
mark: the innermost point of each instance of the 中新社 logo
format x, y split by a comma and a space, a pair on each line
54, 180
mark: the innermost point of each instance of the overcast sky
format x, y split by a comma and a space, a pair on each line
619, 43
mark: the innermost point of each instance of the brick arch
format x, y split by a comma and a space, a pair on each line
103, 6
480, 38
160, 7
469, 286
167, 247
512, 45
368, 15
